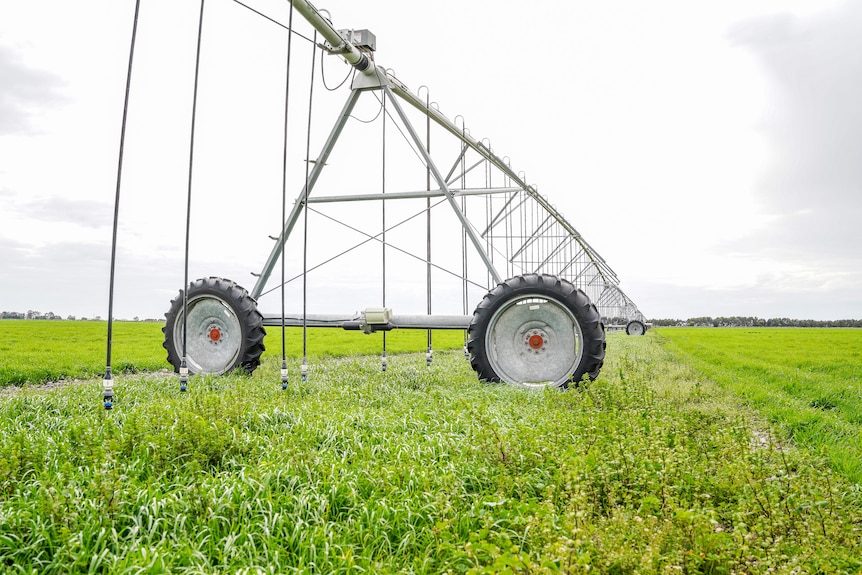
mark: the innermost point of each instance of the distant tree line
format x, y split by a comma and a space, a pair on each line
740, 321
33, 314
706, 321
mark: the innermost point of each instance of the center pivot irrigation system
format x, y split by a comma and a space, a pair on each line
470, 226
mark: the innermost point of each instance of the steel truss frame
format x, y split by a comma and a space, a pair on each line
517, 231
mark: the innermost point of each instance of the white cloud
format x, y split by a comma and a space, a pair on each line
24, 93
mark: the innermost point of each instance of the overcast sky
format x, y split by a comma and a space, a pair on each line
709, 151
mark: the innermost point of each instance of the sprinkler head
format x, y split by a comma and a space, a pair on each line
108, 390
108, 398
184, 378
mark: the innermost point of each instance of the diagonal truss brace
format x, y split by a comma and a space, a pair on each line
303, 199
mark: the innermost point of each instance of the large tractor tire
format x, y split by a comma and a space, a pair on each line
536, 331
635, 327
225, 328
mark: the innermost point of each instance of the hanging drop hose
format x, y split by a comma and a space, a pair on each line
383, 221
429, 354
184, 368
284, 378
304, 367
489, 214
464, 243
107, 382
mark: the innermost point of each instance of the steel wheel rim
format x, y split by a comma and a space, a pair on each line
534, 341
636, 328
214, 337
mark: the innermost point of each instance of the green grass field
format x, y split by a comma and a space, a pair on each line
808, 382
661, 465
38, 351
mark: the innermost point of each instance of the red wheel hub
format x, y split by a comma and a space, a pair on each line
215, 334
536, 341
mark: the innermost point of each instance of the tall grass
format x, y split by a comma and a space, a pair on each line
808, 382
649, 469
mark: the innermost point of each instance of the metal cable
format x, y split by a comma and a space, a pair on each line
370, 238
289, 28
392, 246
407, 139
107, 386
